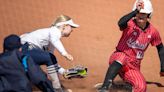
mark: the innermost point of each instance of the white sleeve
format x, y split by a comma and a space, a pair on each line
59, 46
56, 43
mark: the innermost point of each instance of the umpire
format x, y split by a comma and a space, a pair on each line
17, 69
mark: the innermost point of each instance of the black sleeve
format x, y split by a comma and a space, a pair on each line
160, 49
122, 23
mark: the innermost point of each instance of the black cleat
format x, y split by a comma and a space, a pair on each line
103, 89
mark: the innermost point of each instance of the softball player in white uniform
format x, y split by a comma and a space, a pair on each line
48, 39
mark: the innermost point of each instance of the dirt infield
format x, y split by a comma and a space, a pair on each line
93, 42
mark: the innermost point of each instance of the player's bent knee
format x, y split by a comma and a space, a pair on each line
140, 88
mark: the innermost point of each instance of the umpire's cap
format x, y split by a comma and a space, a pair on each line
11, 42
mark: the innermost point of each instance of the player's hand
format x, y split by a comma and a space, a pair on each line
69, 57
140, 5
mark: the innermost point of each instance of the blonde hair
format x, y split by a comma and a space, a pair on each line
61, 18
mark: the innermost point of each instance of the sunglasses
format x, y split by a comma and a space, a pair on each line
141, 16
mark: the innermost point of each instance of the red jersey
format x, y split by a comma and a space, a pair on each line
134, 40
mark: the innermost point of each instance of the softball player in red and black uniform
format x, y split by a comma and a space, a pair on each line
137, 34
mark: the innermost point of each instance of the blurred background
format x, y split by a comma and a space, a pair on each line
92, 43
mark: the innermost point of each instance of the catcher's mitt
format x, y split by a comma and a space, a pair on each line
76, 72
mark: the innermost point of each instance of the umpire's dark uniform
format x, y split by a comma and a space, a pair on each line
16, 68
12, 75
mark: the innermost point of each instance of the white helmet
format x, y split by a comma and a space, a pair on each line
148, 9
